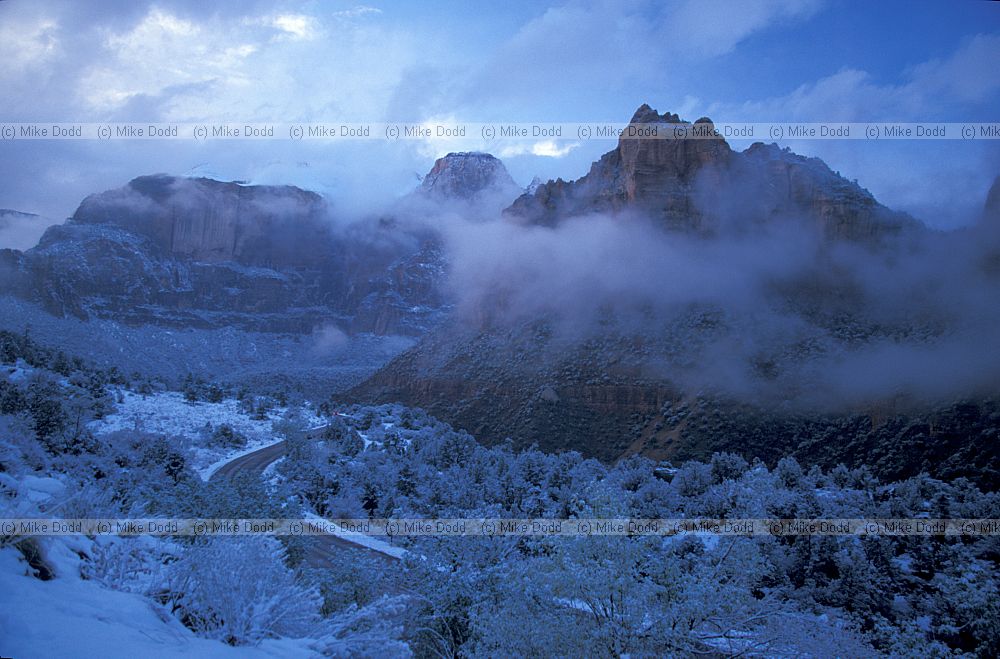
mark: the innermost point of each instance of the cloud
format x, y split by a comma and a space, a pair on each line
27, 44
358, 12
931, 90
777, 314
328, 339
573, 48
544, 148
709, 28
299, 26
190, 53
968, 76
21, 231
239, 65
907, 175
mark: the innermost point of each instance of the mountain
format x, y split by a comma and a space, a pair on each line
196, 252
467, 176
213, 222
702, 185
680, 298
753, 312
203, 253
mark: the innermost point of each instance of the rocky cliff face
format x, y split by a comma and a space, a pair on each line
211, 221
202, 253
702, 186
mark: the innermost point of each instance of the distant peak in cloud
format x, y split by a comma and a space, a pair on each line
464, 175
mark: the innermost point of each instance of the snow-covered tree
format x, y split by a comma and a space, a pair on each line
239, 590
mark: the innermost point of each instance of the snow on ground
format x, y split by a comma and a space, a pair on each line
271, 475
31, 494
364, 438
67, 617
20, 372
38, 489
363, 540
169, 414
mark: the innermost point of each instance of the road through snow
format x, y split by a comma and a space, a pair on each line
321, 547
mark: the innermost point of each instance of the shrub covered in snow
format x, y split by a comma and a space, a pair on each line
226, 437
240, 591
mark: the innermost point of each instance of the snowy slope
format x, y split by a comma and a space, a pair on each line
68, 617
169, 414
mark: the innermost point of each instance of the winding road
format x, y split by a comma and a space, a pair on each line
255, 462
321, 548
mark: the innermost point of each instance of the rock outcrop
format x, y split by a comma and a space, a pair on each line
467, 176
700, 185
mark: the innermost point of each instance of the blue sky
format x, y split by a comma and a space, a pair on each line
757, 60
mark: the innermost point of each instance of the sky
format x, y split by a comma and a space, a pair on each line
310, 61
